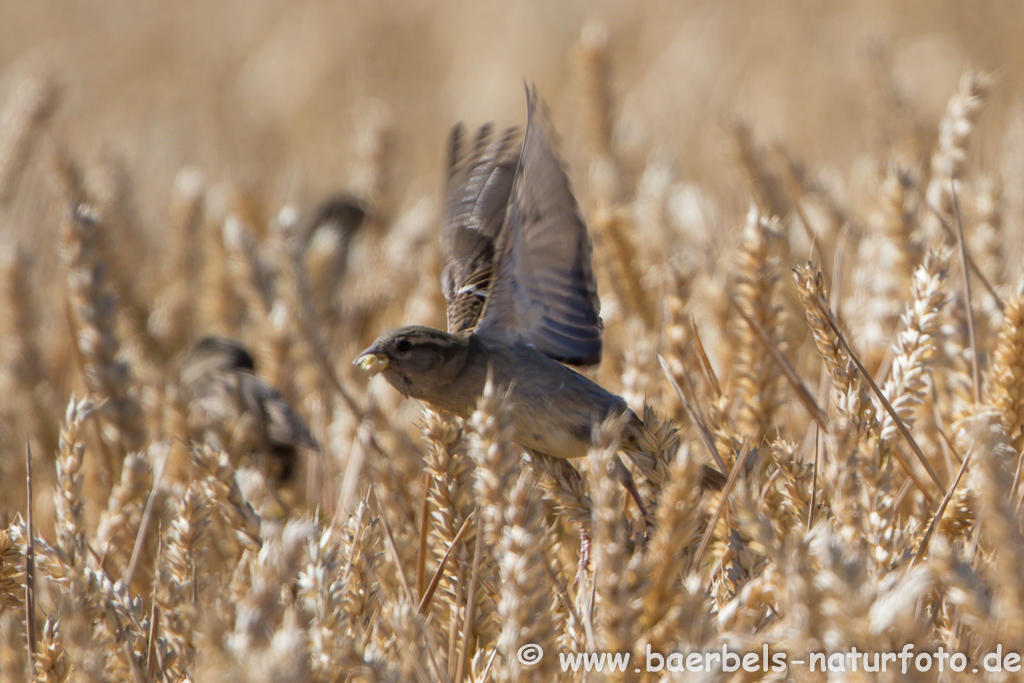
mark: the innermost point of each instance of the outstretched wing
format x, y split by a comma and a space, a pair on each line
479, 185
544, 291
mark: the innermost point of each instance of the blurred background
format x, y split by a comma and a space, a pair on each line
258, 111
277, 93
272, 171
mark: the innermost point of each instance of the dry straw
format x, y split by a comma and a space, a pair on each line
421, 547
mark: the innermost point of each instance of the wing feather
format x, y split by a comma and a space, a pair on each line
479, 186
544, 292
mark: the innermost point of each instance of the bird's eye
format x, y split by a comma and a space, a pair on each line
403, 345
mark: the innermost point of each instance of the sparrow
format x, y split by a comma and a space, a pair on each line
232, 405
336, 219
341, 212
325, 242
522, 301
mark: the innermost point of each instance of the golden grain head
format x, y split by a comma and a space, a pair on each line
869, 410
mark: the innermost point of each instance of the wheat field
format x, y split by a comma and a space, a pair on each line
808, 225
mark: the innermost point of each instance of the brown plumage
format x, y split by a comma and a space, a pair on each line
539, 307
478, 191
554, 408
514, 239
231, 405
340, 213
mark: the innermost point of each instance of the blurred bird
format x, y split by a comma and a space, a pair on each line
333, 224
341, 212
479, 188
230, 404
521, 297
327, 238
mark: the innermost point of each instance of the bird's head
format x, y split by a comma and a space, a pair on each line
212, 355
418, 361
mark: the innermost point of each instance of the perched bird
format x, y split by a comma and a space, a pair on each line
229, 403
522, 300
328, 233
341, 212
326, 240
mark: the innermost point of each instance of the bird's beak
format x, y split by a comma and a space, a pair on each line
371, 361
